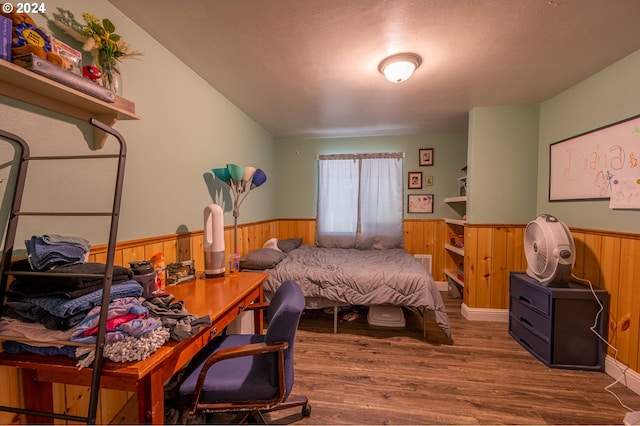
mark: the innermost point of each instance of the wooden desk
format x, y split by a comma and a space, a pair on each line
223, 299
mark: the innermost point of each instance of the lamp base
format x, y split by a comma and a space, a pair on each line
219, 275
214, 264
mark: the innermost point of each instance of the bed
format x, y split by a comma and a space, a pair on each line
338, 277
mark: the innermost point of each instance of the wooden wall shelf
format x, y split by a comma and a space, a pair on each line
460, 199
29, 87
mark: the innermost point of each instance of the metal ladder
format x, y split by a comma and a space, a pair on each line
12, 225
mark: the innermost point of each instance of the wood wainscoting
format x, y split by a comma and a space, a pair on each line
420, 236
490, 253
611, 261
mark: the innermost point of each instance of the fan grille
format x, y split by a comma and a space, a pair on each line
549, 249
536, 253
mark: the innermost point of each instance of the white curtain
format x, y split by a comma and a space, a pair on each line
360, 201
337, 218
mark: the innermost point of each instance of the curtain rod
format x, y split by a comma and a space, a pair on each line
360, 156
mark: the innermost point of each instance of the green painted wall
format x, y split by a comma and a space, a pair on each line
187, 128
297, 173
503, 164
611, 95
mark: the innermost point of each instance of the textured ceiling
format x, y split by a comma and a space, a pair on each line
309, 68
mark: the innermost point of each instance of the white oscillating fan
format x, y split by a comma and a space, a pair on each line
550, 250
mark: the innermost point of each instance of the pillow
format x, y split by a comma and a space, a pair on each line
289, 244
262, 258
272, 244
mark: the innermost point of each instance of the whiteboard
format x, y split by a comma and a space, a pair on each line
592, 164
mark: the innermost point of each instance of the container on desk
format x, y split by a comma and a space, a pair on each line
144, 273
233, 265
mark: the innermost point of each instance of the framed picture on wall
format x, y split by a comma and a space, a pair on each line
415, 180
420, 203
428, 180
426, 157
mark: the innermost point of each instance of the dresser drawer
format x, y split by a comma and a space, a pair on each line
530, 293
554, 323
533, 343
530, 319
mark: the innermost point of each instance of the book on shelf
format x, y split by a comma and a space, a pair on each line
5, 38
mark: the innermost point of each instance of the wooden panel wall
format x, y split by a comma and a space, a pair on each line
297, 228
610, 260
427, 237
491, 253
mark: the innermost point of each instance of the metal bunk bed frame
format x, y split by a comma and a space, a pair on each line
107, 277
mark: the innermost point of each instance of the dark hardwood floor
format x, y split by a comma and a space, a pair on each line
377, 375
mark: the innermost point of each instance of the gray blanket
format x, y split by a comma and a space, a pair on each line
361, 277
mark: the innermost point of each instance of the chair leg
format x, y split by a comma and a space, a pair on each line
293, 401
248, 417
258, 418
240, 418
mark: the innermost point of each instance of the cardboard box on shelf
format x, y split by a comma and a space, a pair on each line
71, 57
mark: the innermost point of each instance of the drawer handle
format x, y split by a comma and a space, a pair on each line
524, 299
213, 331
526, 321
241, 308
524, 342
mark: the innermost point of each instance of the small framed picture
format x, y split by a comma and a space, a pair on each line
426, 157
420, 203
428, 180
415, 180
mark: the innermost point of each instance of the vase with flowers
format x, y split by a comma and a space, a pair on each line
98, 37
111, 77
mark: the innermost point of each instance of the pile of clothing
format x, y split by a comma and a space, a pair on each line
45, 252
52, 310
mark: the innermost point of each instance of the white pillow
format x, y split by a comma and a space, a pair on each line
272, 244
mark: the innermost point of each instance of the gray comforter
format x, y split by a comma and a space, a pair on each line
361, 277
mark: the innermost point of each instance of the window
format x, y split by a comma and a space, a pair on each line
360, 201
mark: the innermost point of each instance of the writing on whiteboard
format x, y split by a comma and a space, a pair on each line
604, 166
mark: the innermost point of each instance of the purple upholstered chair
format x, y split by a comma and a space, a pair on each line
249, 373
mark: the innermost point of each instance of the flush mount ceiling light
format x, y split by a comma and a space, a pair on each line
399, 67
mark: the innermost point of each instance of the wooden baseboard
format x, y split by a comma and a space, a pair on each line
481, 314
622, 374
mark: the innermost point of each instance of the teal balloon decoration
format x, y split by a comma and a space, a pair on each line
236, 172
222, 174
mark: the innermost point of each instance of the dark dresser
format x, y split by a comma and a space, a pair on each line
553, 323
